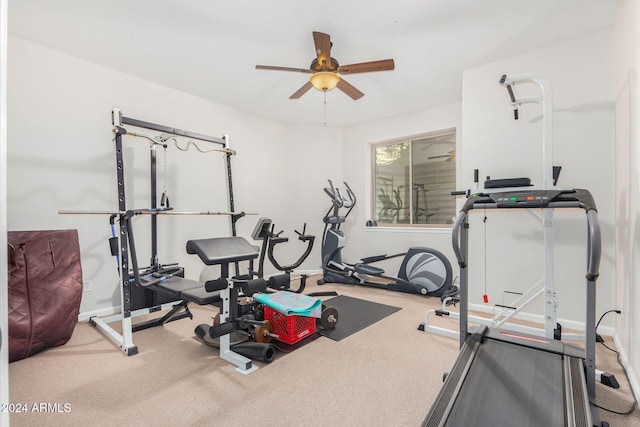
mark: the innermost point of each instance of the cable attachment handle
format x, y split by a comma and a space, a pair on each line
515, 104
304, 230
303, 236
164, 199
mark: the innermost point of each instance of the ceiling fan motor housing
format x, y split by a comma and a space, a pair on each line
315, 66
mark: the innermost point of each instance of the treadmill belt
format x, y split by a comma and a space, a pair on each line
511, 385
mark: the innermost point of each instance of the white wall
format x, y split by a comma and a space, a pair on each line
627, 186
315, 155
61, 157
580, 73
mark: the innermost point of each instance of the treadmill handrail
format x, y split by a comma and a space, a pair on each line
455, 237
577, 198
594, 245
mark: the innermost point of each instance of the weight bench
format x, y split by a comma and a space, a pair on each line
214, 251
169, 281
188, 290
220, 251
223, 251
180, 289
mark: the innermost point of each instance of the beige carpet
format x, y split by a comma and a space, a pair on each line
385, 375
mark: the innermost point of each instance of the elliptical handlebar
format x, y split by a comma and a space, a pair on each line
352, 196
334, 195
338, 199
335, 198
341, 199
333, 217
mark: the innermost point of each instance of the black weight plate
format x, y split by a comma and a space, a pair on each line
329, 318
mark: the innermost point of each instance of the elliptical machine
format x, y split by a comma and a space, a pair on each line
423, 271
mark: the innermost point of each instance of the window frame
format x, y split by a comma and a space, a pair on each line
409, 140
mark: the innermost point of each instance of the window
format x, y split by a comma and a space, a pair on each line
414, 178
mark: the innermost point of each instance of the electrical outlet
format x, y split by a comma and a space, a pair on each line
87, 286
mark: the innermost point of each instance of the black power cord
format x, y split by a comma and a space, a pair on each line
598, 336
601, 341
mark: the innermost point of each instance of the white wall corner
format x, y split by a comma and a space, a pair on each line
631, 374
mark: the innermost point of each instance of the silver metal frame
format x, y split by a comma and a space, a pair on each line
460, 237
545, 287
124, 340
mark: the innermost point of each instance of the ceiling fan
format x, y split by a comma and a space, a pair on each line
325, 70
449, 157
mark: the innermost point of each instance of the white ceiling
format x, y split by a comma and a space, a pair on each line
210, 48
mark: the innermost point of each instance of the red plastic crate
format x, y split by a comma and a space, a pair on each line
290, 329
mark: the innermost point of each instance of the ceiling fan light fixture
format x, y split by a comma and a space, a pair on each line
324, 80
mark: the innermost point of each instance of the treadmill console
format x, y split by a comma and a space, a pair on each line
529, 199
524, 198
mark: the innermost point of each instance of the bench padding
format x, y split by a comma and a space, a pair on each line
188, 290
222, 250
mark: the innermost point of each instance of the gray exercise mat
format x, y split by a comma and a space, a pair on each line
354, 315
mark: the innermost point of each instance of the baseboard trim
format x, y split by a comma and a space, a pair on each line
539, 319
624, 359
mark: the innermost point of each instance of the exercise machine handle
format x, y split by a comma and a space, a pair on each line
502, 81
595, 245
309, 240
343, 202
455, 237
337, 198
303, 236
350, 193
334, 195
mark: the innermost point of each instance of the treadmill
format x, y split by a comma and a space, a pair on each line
505, 378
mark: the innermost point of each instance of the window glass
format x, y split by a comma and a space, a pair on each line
392, 178
413, 180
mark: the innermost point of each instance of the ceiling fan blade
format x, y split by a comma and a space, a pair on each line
297, 94
349, 89
270, 67
323, 48
366, 67
451, 155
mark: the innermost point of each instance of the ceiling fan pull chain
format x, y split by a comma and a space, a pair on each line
325, 107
